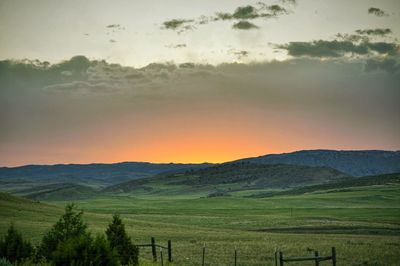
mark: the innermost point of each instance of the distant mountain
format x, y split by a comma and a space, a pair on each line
89, 174
238, 176
342, 185
355, 163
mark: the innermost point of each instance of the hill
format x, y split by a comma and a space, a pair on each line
355, 163
237, 176
89, 174
338, 186
61, 191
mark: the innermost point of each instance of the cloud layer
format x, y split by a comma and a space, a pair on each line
91, 109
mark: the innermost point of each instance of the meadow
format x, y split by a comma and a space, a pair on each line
363, 223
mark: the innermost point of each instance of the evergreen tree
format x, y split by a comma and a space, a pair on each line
121, 242
69, 226
13, 247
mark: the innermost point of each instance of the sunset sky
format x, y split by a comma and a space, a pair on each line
195, 81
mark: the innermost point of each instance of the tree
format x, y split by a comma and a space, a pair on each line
13, 247
121, 242
102, 254
85, 251
69, 226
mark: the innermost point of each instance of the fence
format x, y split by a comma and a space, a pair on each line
317, 258
154, 247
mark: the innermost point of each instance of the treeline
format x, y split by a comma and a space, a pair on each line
68, 242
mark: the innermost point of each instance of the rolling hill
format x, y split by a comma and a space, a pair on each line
237, 176
60, 191
355, 163
346, 185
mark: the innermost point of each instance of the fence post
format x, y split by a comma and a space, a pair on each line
161, 257
235, 257
333, 256
280, 258
316, 258
153, 249
204, 254
276, 257
169, 251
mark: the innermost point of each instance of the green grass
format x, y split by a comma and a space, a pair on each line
363, 223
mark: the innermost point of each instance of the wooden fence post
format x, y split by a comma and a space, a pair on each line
276, 257
235, 257
316, 260
333, 256
169, 251
280, 258
153, 249
204, 254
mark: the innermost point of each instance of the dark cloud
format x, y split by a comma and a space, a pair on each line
358, 44
178, 25
244, 25
241, 14
352, 37
384, 47
250, 12
376, 32
113, 26
246, 12
322, 48
377, 12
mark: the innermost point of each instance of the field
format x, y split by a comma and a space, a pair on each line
363, 223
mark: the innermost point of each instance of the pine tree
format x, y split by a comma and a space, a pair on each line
13, 247
121, 242
69, 226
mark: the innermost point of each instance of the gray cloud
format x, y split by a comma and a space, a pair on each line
335, 48
250, 12
377, 12
113, 26
178, 25
377, 31
241, 14
344, 45
244, 25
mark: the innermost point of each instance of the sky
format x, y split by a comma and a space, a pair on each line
195, 81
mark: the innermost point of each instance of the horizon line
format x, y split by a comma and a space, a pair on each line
204, 162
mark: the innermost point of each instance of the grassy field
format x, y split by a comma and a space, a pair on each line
363, 223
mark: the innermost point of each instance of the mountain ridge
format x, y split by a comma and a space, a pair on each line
352, 162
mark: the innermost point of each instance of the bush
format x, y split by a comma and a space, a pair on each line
13, 247
119, 240
69, 227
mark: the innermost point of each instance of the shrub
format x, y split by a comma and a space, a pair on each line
69, 226
119, 240
13, 247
